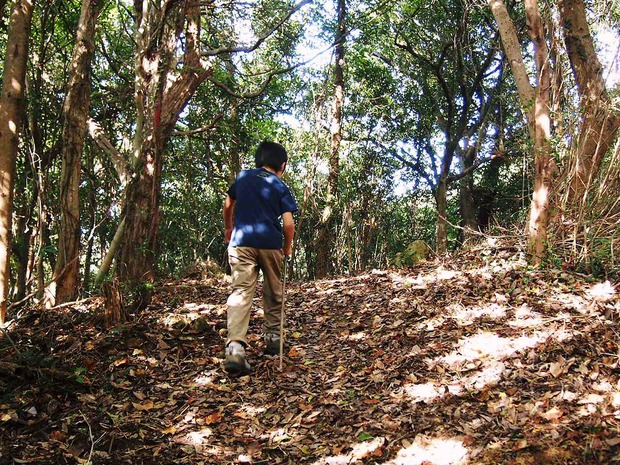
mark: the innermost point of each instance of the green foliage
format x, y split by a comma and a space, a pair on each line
413, 95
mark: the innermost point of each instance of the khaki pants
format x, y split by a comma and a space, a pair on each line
245, 263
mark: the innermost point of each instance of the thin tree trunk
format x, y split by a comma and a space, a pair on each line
467, 202
535, 104
512, 49
600, 122
441, 228
441, 197
369, 225
23, 235
64, 286
544, 165
106, 263
325, 240
92, 209
11, 108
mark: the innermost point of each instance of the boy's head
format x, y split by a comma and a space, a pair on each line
272, 155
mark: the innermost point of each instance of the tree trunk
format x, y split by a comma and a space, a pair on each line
467, 201
11, 108
325, 240
600, 122
92, 209
23, 235
512, 49
64, 286
535, 104
367, 210
160, 97
441, 228
544, 165
485, 199
441, 197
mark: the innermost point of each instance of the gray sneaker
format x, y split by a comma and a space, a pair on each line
235, 363
272, 344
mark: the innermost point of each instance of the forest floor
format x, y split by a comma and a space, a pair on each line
476, 359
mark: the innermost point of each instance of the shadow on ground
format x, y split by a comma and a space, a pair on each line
477, 361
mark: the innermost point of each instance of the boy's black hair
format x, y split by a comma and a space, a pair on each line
270, 154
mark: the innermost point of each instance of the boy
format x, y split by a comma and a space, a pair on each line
258, 198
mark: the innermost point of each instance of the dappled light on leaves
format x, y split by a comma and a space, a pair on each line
427, 392
487, 345
206, 378
468, 315
427, 450
496, 363
199, 437
602, 292
367, 448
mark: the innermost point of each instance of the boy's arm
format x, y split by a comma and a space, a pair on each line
289, 232
229, 208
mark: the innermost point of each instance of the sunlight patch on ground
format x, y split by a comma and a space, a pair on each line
422, 281
526, 318
436, 451
206, 379
358, 336
199, 437
571, 301
602, 292
199, 308
358, 452
488, 345
475, 363
445, 275
419, 282
488, 376
172, 319
250, 411
465, 316
428, 392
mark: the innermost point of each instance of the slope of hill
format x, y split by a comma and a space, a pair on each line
475, 360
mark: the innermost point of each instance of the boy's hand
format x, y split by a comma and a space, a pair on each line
289, 233
229, 208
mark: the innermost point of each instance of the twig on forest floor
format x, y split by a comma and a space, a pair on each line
8, 336
92, 439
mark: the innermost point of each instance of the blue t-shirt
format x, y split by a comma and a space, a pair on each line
260, 200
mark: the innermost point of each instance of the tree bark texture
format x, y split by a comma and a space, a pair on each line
512, 49
66, 280
544, 165
11, 108
114, 305
325, 240
600, 122
535, 103
161, 92
467, 200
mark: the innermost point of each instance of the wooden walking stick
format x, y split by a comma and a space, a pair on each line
282, 310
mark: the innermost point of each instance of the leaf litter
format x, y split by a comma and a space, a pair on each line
478, 359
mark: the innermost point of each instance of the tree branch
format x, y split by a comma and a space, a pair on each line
261, 39
207, 128
122, 166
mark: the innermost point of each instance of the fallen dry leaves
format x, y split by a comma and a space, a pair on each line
476, 360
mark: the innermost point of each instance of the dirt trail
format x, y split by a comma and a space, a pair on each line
475, 361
